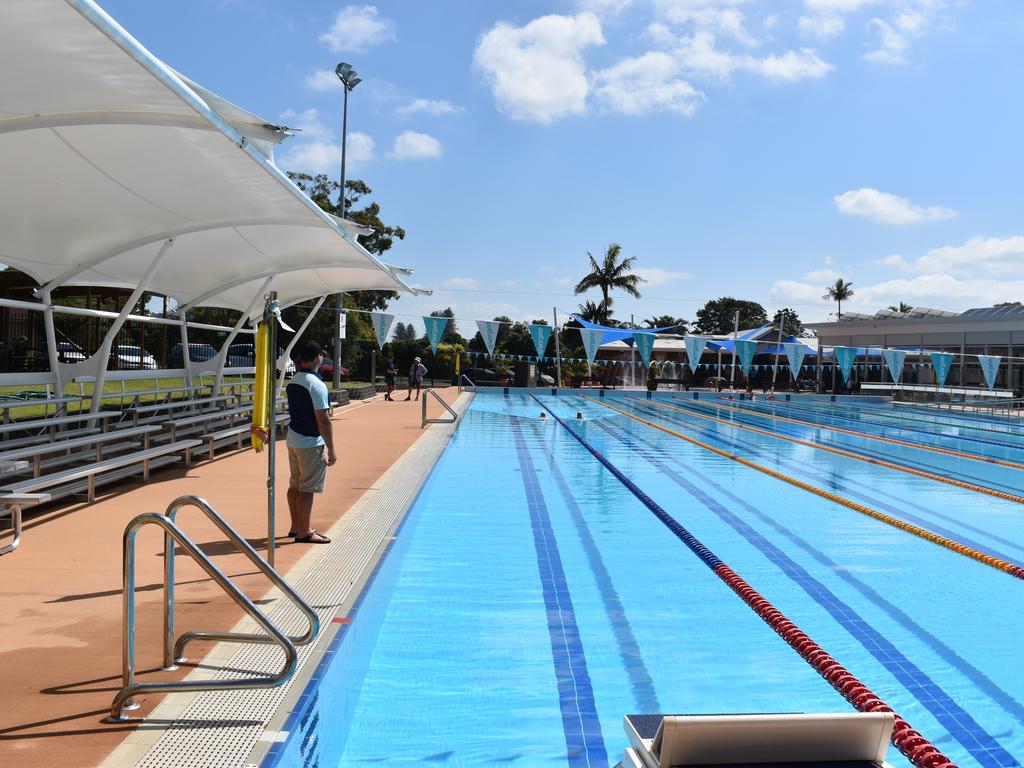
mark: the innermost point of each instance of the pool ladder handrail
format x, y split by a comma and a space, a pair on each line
468, 382
443, 420
124, 700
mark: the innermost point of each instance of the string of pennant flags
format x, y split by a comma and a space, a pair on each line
745, 350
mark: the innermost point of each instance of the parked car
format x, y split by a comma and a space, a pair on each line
69, 352
327, 370
197, 353
244, 355
133, 358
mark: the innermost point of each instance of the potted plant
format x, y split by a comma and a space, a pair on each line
652, 377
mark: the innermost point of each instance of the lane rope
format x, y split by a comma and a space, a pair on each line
869, 436
903, 525
847, 454
921, 752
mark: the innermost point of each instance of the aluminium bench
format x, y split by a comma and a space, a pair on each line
59, 404
48, 426
86, 478
96, 444
153, 411
237, 433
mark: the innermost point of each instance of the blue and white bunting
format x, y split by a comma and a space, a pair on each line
942, 362
990, 367
694, 349
435, 330
644, 345
745, 349
381, 326
795, 355
540, 335
591, 341
894, 361
489, 332
845, 356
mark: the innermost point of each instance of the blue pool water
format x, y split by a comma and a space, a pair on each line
530, 600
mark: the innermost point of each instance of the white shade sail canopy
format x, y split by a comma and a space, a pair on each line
107, 154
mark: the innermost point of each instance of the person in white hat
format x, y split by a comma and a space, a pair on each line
416, 373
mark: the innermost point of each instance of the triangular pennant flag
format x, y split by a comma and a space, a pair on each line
644, 345
435, 330
942, 362
845, 356
990, 367
489, 332
591, 341
745, 348
381, 326
540, 335
694, 349
894, 359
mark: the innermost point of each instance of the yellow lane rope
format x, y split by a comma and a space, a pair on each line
869, 436
847, 454
950, 544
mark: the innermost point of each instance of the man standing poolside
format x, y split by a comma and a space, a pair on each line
416, 373
310, 443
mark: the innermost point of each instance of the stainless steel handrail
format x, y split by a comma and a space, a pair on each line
129, 688
172, 657
454, 415
16, 502
464, 378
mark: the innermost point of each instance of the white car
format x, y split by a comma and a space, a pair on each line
130, 357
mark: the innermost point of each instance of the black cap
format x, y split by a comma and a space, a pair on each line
309, 351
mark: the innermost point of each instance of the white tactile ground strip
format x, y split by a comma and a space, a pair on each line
220, 729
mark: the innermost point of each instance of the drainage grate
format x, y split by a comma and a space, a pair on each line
218, 729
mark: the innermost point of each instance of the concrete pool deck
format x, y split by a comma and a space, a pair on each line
60, 646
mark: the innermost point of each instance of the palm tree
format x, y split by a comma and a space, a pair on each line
594, 313
839, 292
664, 321
903, 307
610, 274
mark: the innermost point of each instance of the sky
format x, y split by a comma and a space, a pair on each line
753, 148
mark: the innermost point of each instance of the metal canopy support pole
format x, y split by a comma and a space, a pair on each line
51, 340
103, 354
223, 355
281, 364
269, 316
778, 346
558, 350
632, 353
735, 335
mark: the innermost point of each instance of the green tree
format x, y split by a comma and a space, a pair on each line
901, 307
791, 325
404, 332
613, 273
839, 292
1003, 304
718, 316
594, 313
663, 321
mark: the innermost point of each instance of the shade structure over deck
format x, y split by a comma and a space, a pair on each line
108, 154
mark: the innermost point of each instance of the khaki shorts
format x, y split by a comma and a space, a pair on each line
308, 468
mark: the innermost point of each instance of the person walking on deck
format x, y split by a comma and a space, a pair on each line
390, 374
416, 373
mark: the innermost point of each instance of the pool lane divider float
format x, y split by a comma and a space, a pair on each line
903, 525
869, 436
840, 452
921, 752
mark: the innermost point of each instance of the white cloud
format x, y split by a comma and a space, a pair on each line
604, 7
897, 262
461, 283
410, 145
821, 26
719, 17
536, 72
700, 55
823, 276
993, 255
839, 6
357, 28
889, 209
434, 107
646, 84
318, 150
653, 276
323, 80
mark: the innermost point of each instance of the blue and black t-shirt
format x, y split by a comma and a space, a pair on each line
307, 394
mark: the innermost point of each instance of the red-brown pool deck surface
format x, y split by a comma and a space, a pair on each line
60, 612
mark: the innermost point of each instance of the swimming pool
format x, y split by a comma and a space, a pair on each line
531, 599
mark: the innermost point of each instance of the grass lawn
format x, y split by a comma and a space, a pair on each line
30, 411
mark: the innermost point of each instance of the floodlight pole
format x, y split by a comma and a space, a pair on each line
778, 346
735, 335
348, 78
558, 351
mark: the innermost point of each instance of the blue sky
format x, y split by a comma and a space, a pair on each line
744, 147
